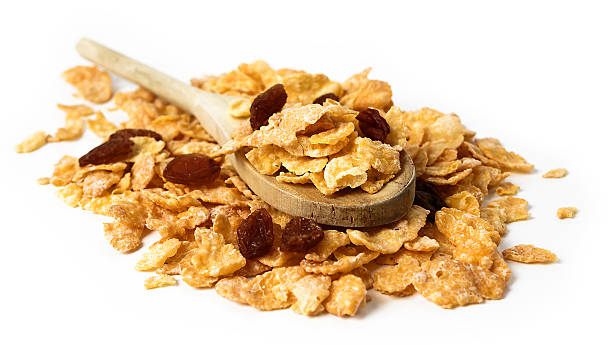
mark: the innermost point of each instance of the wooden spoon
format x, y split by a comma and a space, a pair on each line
353, 208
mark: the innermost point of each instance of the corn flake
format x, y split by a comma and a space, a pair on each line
493, 149
566, 212
143, 171
214, 258
331, 241
73, 128
442, 168
171, 201
92, 84
397, 279
334, 135
197, 146
507, 188
318, 179
392, 259
240, 107
293, 178
234, 288
555, 173
157, 254
494, 217
375, 181
347, 294
529, 254
145, 144
126, 233
165, 225
272, 290
172, 264
464, 201
303, 147
100, 181
252, 269
310, 292
451, 179
389, 239
71, 194
474, 239
196, 279
422, 244
284, 126
349, 169
447, 283
122, 237
348, 258
511, 209
158, 281
32, 143
100, 125
400, 129
302, 87
469, 149
363, 93
194, 216
489, 284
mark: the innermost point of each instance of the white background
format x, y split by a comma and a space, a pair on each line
535, 74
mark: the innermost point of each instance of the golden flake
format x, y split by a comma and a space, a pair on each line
529, 254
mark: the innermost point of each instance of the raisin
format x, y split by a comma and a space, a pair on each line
266, 104
132, 132
300, 235
108, 152
321, 99
373, 125
192, 169
255, 234
427, 197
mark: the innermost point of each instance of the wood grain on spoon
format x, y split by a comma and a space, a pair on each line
351, 208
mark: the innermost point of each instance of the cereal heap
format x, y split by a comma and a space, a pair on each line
160, 171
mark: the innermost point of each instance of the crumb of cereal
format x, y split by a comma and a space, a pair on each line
43, 181
566, 212
555, 173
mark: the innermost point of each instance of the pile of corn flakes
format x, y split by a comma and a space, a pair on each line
445, 248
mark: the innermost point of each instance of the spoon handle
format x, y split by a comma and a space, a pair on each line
209, 108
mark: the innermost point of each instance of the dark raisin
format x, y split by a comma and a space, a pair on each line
321, 99
255, 234
132, 132
300, 235
266, 104
373, 125
428, 198
192, 169
109, 152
